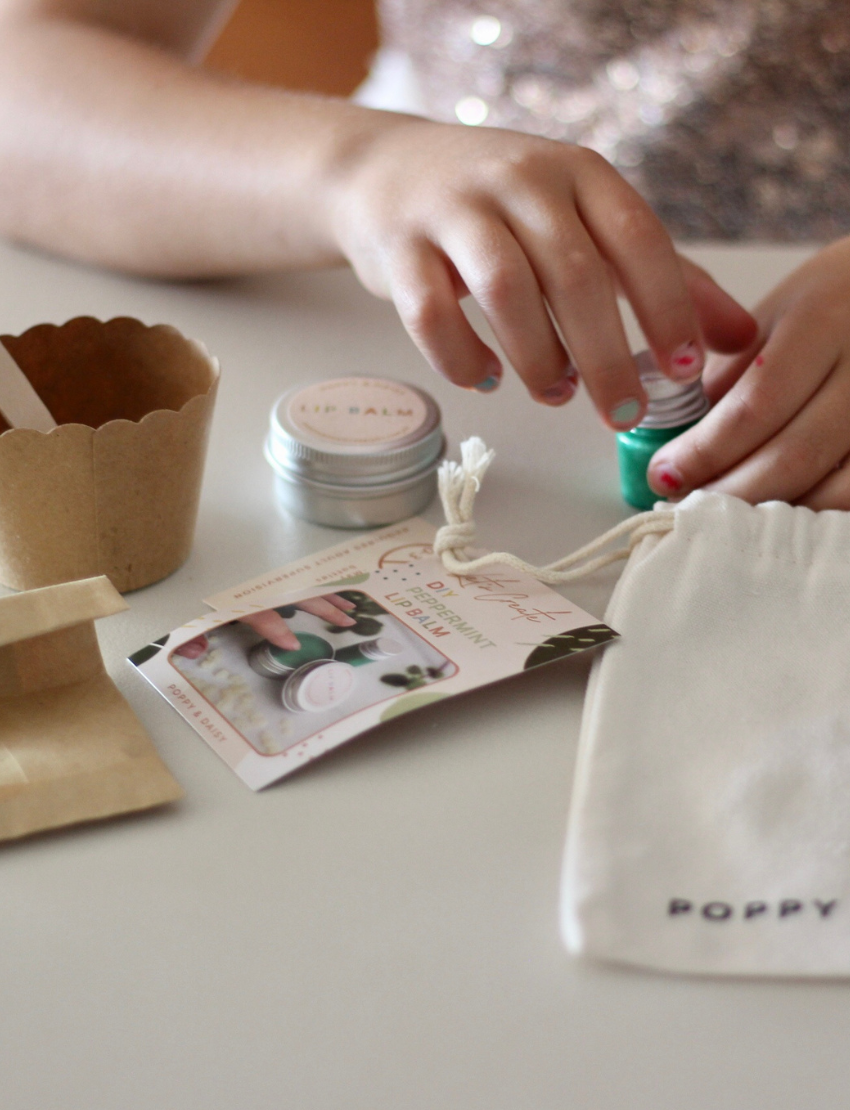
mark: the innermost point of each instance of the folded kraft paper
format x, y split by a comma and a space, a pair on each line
71, 749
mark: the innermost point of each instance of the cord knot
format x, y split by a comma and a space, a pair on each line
459, 485
455, 537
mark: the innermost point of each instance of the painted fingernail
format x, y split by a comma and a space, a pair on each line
492, 380
687, 362
665, 479
559, 393
626, 414
488, 385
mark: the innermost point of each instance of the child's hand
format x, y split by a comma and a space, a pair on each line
780, 428
269, 624
428, 212
272, 627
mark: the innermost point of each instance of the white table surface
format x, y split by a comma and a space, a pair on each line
378, 932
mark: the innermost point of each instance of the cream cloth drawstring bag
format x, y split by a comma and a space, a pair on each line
710, 823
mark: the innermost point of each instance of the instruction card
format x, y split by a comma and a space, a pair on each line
299, 660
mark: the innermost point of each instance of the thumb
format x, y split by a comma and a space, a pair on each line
726, 326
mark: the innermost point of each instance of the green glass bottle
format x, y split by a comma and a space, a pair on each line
672, 408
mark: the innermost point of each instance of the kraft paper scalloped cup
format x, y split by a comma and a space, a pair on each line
113, 489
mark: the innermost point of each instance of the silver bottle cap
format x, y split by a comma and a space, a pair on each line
671, 404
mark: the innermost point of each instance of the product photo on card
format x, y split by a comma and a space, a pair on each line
376, 630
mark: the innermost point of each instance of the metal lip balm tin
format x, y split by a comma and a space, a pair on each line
273, 662
355, 452
318, 686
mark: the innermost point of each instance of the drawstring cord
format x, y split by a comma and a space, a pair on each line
459, 484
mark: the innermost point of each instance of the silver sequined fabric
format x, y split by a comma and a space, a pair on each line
732, 117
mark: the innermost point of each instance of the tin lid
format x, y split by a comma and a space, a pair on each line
670, 404
355, 431
318, 686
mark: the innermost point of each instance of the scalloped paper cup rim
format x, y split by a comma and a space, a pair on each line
115, 493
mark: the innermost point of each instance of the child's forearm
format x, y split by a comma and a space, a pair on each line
123, 155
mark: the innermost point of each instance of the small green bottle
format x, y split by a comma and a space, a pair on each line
672, 408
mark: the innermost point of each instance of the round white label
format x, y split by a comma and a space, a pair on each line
325, 686
357, 411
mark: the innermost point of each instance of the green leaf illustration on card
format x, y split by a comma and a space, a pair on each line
364, 605
409, 703
414, 677
147, 652
569, 643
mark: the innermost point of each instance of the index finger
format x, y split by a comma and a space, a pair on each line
272, 627
634, 241
328, 610
339, 601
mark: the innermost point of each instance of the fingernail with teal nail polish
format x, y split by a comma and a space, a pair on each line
488, 385
626, 414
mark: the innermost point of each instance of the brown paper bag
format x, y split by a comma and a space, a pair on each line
71, 748
114, 489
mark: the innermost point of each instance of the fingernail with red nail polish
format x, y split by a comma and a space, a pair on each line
687, 362
666, 479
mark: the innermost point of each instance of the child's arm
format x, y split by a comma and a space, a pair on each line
780, 428
116, 150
